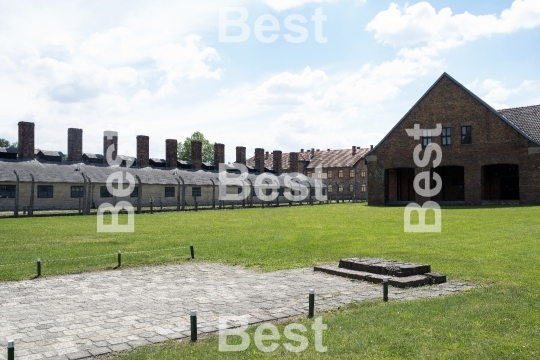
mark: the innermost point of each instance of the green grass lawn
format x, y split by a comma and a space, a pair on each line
497, 248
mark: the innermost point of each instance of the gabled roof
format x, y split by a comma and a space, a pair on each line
50, 153
336, 158
527, 119
482, 102
94, 156
9, 150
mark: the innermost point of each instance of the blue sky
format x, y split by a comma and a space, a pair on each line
159, 69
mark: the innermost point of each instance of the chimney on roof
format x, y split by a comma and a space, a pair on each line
171, 153
301, 150
219, 154
328, 149
371, 147
26, 140
354, 150
267, 155
241, 155
259, 160
293, 162
143, 150
196, 154
110, 138
75, 148
312, 152
278, 165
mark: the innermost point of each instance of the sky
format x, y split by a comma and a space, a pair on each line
308, 74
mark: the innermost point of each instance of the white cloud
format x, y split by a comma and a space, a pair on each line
496, 93
280, 5
422, 24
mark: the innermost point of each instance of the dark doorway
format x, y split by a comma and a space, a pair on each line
453, 183
501, 182
399, 185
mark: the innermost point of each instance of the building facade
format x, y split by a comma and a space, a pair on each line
488, 156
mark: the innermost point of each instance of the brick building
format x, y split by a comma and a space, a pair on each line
488, 156
343, 171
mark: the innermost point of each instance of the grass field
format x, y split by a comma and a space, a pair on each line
497, 248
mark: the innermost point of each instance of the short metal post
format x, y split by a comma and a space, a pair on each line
311, 303
192, 251
193, 317
385, 288
38, 267
119, 258
11, 350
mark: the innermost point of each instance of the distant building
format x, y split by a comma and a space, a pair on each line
488, 156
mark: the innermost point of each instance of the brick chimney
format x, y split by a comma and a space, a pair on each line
371, 147
241, 155
109, 142
26, 140
312, 152
196, 154
143, 150
278, 165
354, 150
75, 148
267, 155
219, 154
301, 150
293, 162
259, 160
171, 153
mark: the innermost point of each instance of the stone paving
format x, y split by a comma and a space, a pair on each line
90, 314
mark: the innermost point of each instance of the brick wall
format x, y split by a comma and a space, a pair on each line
493, 142
75, 145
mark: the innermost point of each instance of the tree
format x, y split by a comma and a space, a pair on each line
4, 143
184, 148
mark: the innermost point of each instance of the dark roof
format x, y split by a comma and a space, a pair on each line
527, 119
94, 156
500, 115
71, 173
9, 150
50, 153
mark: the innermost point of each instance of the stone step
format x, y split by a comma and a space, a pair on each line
385, 267
400, 282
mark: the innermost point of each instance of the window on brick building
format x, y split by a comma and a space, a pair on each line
45, 191
426, 137
104, 192
77, 192
363, 188
309, 174
169, 191
324, 191
268, 192
446, 136
312, 192
340, 173
351, 173
329, 174
8, 191
280, 193
196, 191
351, 188
329, 188
135, 192
363, 173
340, 188
466, 137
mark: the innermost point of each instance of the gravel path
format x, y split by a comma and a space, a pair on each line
77, 316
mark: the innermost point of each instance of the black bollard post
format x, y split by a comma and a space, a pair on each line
311, 312
38, 267
192, 251
119, 258
193, 318
11, 350
385, 289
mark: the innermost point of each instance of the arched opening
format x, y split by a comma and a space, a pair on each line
399, 185
501, 182
453, 183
